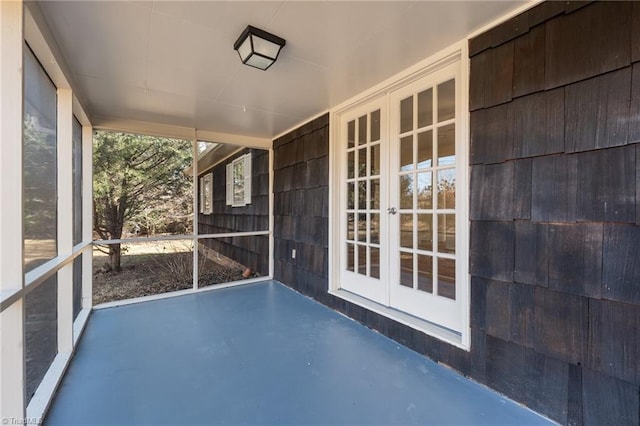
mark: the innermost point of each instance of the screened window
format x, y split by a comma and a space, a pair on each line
77, 181
39, 165
76, 146
39, 168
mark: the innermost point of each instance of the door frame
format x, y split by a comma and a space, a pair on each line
449, 55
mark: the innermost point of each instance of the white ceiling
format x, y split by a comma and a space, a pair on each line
173, 62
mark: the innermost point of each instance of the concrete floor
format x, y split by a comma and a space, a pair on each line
259, 354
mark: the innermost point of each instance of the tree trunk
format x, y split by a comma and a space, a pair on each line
115, 255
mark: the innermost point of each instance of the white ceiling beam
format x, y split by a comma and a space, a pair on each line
232, 139
178, 132
143, 127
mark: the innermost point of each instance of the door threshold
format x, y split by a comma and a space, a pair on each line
439, 332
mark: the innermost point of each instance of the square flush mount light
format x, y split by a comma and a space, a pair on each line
258, 48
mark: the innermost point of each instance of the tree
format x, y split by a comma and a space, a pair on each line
39, 179
135, 176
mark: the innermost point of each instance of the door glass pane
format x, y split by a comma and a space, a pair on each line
351, 226
447, 145
446, 100
446, 233
374, 228
425, 108
374, 199
406, 153
350, 258
351, 134
406, 230
362, 130
425, 232
425, 149
375, 160
362, 194
406, 269
406, 114
425, 273
362, 227
350, 164
362, 259
425, 191
446, 189
374, 262
375, 126
351, 196
406, 192
362, 162
447, 278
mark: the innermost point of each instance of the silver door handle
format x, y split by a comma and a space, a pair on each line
392, 210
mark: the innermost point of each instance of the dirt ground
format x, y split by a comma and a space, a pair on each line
150, 268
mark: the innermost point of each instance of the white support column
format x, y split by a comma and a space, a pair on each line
194, 166
65, 219
12, 370
87, 215
11, 274
271, 221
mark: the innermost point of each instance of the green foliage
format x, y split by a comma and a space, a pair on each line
139, 181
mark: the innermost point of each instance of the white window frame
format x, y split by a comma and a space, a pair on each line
239, 181
452, 54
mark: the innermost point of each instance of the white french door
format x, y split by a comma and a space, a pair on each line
363, 229
400, 199
423, 180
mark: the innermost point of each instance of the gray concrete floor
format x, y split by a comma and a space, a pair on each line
259, 354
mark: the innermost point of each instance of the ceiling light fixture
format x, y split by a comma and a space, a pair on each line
258, 48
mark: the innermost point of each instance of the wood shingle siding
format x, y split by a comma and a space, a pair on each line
607, 185
621, 268
555, 236
301, 207
564, 308
588, 42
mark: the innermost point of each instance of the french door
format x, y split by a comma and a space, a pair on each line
364, 223
401, 172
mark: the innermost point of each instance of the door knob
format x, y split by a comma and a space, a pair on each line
392, 210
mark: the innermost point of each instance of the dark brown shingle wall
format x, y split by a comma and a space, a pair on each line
555, 184
301, 208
